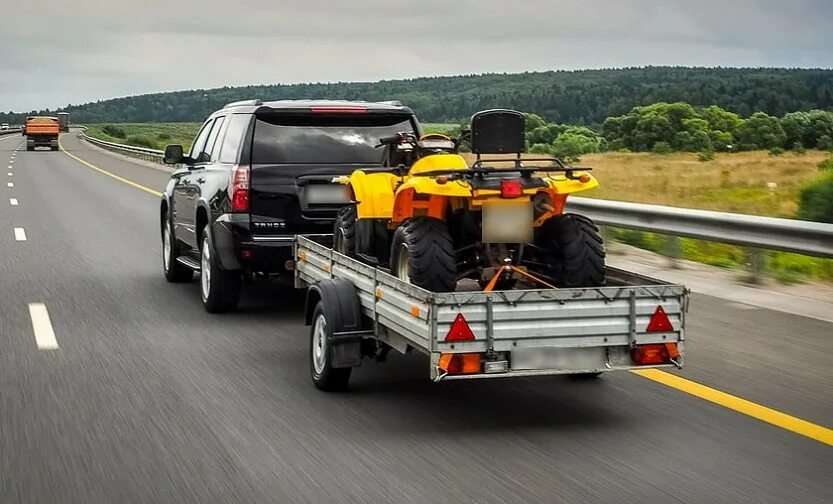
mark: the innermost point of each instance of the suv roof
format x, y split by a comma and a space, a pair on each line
252, 106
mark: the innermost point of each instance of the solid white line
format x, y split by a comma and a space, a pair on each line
13, 201
44, 334
19, 234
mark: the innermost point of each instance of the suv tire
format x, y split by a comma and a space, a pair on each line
175, 271
219, 288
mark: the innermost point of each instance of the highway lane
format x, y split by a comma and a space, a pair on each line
150, 399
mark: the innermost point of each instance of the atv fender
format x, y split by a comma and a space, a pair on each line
373, 193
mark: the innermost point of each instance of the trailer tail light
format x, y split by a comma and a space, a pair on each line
240, 189
338, 110
511, 188
661, 353
461, 363
460, 330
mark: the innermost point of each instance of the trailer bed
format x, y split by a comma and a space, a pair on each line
517, 332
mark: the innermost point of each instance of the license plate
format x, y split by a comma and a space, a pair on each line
567, 359
326, 194
507, 222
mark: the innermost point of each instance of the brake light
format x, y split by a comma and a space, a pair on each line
240, 189
338, 110
460, 330
659, 321
511, 188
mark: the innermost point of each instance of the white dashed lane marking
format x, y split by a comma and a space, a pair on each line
19, 234
13, 201
44, 334
9, 184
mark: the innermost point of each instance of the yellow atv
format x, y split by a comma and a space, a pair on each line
435, 221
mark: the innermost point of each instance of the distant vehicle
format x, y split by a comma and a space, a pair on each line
41, 131
63, 121
4, 127
257, 175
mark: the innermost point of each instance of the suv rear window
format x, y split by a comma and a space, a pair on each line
324, 139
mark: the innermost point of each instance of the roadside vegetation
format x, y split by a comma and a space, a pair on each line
149, 135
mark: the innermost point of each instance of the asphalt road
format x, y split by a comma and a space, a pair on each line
149, 399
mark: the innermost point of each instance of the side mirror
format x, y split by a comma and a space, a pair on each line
173, 154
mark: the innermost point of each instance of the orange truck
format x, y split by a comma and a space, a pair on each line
42, 131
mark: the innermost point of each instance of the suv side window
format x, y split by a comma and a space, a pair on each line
237, 125
199, 143
210, 144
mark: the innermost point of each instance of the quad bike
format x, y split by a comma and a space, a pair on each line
434, 220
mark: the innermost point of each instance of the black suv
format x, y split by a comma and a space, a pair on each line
259, 173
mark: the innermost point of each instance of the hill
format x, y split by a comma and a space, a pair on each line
584, 97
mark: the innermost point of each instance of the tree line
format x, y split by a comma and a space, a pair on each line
582, 97
669, 127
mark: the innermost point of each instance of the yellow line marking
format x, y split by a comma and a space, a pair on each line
109, 174
768, 415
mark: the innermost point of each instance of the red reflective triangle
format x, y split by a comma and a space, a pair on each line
659, 322
460, 330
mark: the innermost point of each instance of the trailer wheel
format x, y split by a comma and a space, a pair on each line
423, 254
324, 375
344, 231
574, 249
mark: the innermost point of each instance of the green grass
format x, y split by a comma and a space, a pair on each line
449, 129
150, 135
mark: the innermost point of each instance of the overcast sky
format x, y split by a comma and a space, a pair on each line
57, 52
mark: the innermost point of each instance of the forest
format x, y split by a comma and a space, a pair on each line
581, 97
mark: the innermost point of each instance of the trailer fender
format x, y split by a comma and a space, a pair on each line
340, 303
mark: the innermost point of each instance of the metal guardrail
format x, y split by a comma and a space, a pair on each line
11, 131
788, 235
144, 153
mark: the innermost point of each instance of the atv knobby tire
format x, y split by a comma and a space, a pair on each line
344, 231
575, 251
422, 252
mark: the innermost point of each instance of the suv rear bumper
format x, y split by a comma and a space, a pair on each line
237, 249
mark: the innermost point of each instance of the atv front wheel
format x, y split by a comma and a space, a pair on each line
344, 231
422, 253
575, 253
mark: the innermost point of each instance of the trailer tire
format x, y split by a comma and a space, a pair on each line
324, 375
422, 253
344, 231
29, 148
585, 376
574, 249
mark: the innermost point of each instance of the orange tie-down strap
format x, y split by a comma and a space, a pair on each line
509, 267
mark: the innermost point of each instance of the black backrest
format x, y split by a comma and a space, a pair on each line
497, 131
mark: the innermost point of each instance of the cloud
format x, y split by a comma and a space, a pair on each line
55, 53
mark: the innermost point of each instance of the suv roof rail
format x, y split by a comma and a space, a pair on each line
242, 103
393, 103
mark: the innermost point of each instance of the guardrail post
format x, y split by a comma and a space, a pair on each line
607, 236
756, 262
672, 248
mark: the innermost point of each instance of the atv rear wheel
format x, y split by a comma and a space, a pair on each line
575, 253
422, 253
344, 231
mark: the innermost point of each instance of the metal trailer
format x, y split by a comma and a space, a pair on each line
356, 310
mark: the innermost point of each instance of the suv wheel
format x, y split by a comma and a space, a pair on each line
173, 269
219, 289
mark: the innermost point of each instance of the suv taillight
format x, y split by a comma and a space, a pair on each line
239, 188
